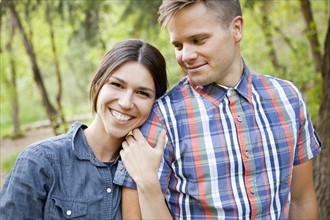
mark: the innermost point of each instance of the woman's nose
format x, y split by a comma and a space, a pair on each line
126, 100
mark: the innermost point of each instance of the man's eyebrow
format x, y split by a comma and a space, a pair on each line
202, 34
174, 42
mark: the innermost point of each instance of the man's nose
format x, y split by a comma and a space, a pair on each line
188, 54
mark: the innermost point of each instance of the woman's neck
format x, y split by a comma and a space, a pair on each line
104, 146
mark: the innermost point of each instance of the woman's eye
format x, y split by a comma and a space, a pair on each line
116, 84
144, 94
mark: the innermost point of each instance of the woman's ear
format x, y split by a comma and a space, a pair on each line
99, 85
237, 28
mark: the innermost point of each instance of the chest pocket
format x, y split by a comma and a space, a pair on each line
69, 208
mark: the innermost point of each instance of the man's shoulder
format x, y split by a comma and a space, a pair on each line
174, 100
177, 92
270, 87
271, 81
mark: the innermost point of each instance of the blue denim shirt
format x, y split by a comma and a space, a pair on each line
60, 178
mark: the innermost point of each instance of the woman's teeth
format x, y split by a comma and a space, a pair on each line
120, 117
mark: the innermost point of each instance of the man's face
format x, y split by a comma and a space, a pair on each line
205, 50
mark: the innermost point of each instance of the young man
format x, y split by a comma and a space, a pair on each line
240, 144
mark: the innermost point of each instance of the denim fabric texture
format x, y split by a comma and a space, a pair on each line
60, 178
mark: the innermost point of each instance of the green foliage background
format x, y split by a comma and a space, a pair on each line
85, 30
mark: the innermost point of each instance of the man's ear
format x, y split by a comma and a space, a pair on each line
237, 28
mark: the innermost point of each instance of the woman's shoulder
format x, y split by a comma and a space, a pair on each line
49, 147
54, 147
56, 143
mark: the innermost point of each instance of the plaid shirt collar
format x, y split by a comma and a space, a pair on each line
216, 93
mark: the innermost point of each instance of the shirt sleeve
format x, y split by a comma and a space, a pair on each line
122, 177
308, 145
151, 129
26, 188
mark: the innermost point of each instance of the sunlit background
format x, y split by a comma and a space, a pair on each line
68, 38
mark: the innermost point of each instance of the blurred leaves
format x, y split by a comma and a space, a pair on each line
84, 30
145, 13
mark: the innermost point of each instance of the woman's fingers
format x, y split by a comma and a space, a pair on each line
137, 134
130, 139
124, 144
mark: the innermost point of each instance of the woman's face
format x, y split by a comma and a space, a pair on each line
125, 101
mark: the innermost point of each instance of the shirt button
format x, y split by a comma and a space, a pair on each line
109, 190
252, 190
247, 154
239, 118
68, 212
121, 167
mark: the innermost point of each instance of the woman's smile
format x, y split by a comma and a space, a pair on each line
120, 117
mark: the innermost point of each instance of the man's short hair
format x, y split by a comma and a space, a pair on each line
225, 10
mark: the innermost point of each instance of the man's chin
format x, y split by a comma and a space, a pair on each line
198, 81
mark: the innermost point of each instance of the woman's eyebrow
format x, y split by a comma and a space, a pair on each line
140, 87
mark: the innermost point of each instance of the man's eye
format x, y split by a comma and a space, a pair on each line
199, 40
177, 46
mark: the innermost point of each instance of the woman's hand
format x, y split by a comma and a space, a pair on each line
140, 159
142, 163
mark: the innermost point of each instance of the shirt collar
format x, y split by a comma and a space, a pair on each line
216, 93
80, 146
79, 143
244, 88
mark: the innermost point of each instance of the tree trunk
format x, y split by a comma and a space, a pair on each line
322, 165
266, 27
50, 110
17, 132
312, 33
321, 162
57, 66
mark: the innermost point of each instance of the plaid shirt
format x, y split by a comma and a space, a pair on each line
230, 152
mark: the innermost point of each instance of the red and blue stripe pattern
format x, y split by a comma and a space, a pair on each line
230, 152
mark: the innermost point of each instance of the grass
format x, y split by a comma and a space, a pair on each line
8, 163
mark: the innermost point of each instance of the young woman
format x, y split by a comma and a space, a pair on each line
71, 175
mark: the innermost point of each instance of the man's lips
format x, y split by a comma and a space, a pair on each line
195, 67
